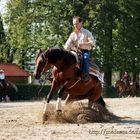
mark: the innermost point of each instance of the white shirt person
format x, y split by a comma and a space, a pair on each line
2, 78
2, 75
81, 41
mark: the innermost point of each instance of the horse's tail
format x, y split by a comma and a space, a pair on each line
101, 101
13, 86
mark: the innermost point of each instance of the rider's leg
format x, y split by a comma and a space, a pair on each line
125, 84
4, 83
128, 85
1, 83
86, 64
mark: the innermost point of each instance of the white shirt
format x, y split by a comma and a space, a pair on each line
83, 36
2, 76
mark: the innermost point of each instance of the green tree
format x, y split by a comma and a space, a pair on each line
34, 24
128, 44
2, 40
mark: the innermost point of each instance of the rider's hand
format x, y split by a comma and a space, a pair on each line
79, 50
74, 49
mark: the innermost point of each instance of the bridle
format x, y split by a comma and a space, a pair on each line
44, 60
47, 76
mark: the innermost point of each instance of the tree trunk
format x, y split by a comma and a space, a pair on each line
108, 77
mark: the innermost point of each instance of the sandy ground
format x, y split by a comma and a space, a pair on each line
21, 121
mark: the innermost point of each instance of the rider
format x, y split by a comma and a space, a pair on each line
2, 78
126, 79
81, 41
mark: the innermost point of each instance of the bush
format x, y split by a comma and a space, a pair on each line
29, 92
110, 92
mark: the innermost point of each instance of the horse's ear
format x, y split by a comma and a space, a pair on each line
39, 51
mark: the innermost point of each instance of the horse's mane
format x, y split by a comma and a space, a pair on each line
54, 54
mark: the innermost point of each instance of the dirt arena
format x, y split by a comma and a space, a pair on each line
22, 121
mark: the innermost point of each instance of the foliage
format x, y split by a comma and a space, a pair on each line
29, 92
34, 24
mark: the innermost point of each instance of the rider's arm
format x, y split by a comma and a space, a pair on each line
69, 43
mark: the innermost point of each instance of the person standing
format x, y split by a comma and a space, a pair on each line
81, 41
2, 78
126, 79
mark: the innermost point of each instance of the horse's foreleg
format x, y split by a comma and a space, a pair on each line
49, 97
59, 103
120, 94
60, 93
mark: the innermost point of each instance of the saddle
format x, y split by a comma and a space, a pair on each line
127, 85
94, 69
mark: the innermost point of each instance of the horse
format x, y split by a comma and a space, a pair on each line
122, 88
66, 78
4, 91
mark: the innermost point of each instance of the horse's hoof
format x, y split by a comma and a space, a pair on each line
44, 118
59, 111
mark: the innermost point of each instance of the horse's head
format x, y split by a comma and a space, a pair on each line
53, 56
117, 83
41, 64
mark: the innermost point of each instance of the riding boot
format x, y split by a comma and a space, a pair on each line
86, 77
4, 84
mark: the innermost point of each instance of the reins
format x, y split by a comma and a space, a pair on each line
46, 77
74, 84
45, 61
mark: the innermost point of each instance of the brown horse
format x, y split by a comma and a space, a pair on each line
4, 91
123, 89
66, 77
